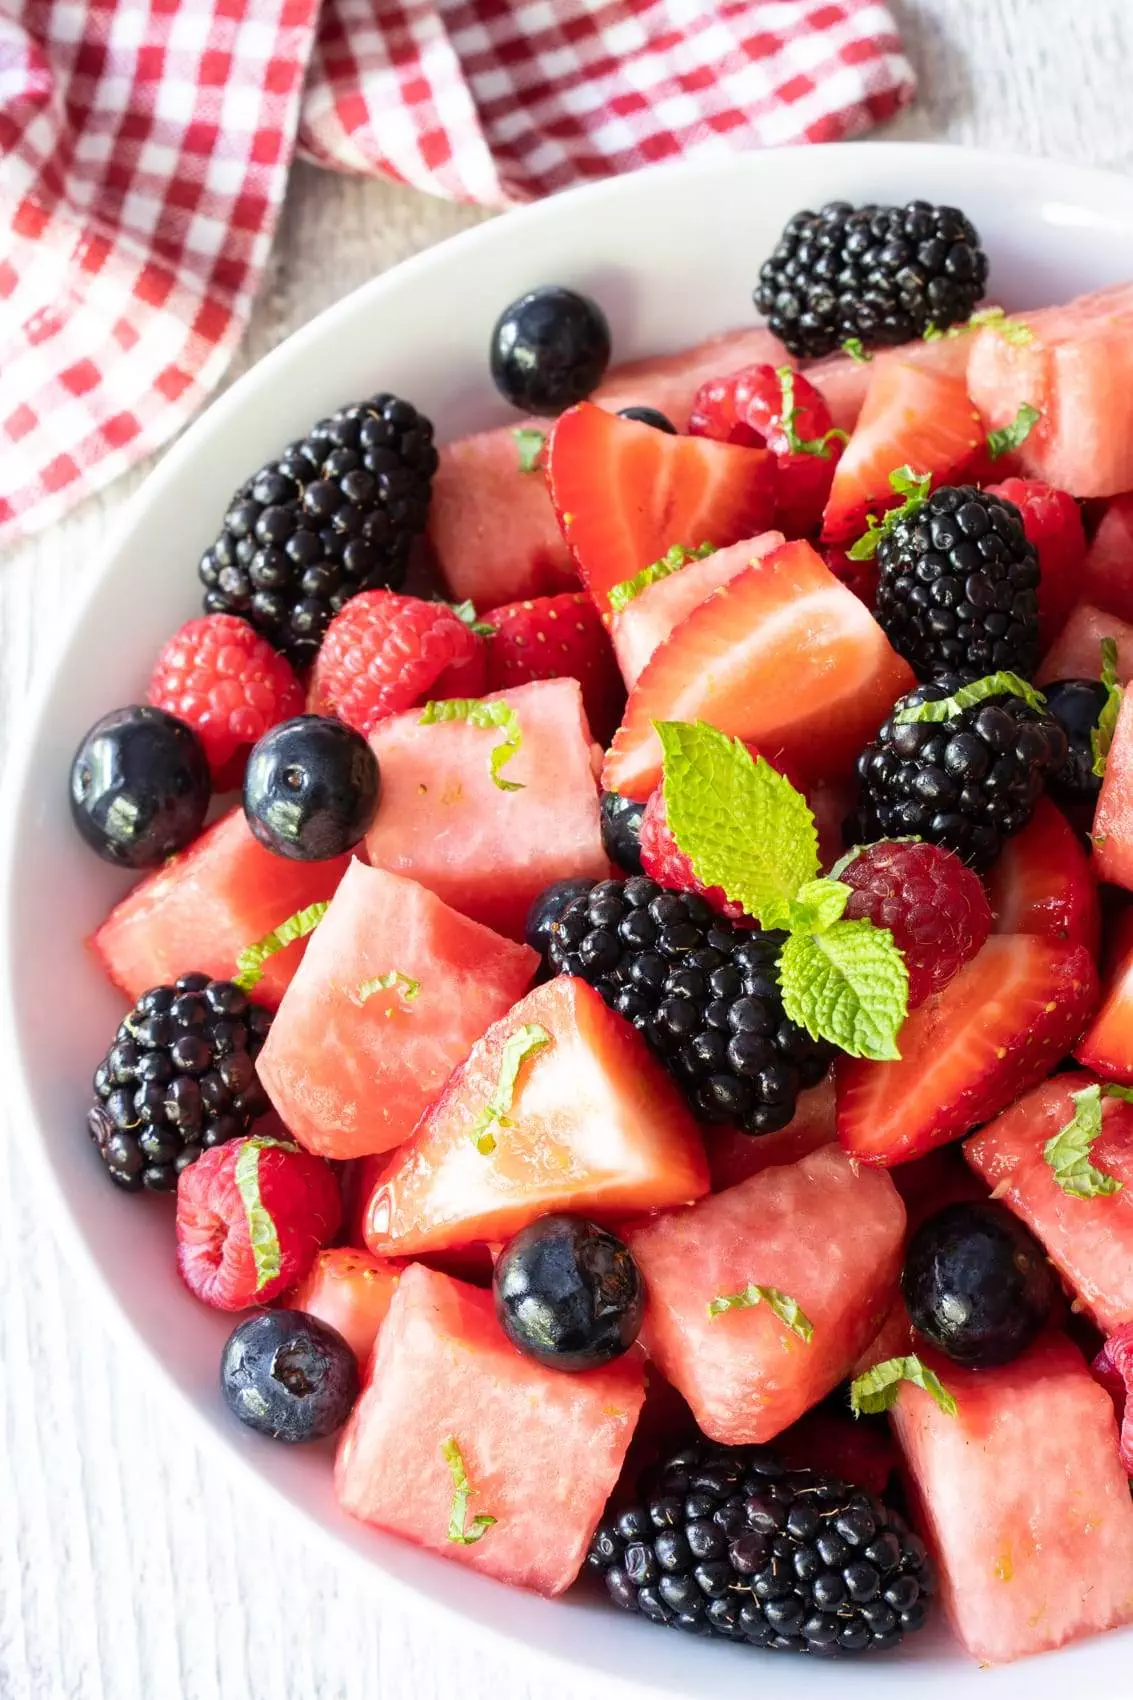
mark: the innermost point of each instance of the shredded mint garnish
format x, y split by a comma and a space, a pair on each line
1101, 738
787, 1309
878, 1388
520, 1045
267, 1257
407, 988
529, 442
819, 446
466, 614
853, 347
1003, 441
460, 1531
250, 962
995, 319
931, 333
914, 486
1067, 1154
622, 594
486, 717
995, 685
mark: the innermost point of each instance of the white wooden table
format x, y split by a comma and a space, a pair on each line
128, 1570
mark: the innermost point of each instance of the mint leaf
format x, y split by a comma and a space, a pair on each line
994, 685
529, 442
931, 334
741, 824
1067, 1154
460, 1531
466, 614
1101, 737
914, 486
1010, 436
623, 593
267, 1255
407, 988
787, 1309
817, 905
518, 1046
848, 984
250, 962
486, 717
878, 1388
789, 413
853, 347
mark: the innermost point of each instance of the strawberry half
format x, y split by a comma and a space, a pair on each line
1044, 882
624, 493
997, 1029
556, 637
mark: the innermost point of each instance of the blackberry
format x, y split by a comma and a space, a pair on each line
1077, 705
727, 1541
703, 992
179, 1078
958, 586
335, 514
967, 783
881, 275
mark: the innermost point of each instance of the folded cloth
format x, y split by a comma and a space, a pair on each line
144, 152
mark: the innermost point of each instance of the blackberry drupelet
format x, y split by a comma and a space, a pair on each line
958, 586
726, 1541
335, 514
882, 275
967, 783
179, 1078
703, 992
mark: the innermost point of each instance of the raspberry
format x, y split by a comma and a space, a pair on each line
385, 653
858, 576
935, 907
227, 683
669, 866
251, 1216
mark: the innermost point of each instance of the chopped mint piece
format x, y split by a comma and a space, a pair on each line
267, 1256
1020, 428
622, 594
787, 1309
520, 1045
460, 1531
878, 1388
994, 685
250, 962
486, 717
466, 614
931, 333
995, 319
848, 984
1067, 1154
407, 988
819, 446
914, 486
529, 442
1102, 735
853, 347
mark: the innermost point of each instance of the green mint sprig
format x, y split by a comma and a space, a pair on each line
787, 1309
466, 614
789, 412
460, 1530
946, 708
854, 348
903, 481
263, 1236
486, 717
878, 1388
1101, 738
530, 443
1009, 437
745, 828
393, 981
1067, 1154
251, 960
628, 589
523, 1043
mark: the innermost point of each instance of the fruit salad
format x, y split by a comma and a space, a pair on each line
630, 983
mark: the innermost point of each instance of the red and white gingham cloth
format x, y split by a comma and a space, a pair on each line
145, 146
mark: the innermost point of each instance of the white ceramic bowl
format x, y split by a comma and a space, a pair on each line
672, 255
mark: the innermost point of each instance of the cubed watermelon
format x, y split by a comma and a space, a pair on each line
1023, 1500
350, 1063
844, 381
540, 1450
595, 1124
1113, 816
894, 1339
1108, 578
198, 912
1044, 882
488, 852
1107, 1044
734, 1156
349, 1290
826, 1235
1077, 651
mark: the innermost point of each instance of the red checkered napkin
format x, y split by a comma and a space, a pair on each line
145, 145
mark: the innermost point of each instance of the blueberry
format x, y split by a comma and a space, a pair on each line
977, 1283
649, 416
621, 830
139, 786
311, 788
288, 1376
568, 1293
549, 349
547, 908
1076, 705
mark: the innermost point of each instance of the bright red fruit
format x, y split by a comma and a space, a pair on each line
555, 637
861, 1453
934, 906
1107, 1044
1077, 650
999, 1027
734, 1156
859, 576
250, 1217
383, 653
1113, 1369
1052, 521
664, 861
1113, 817
1044, 882
229, 685
1108, 578
349, 1290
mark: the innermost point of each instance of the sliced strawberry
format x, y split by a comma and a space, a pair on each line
859, 576
913, 417
556, 637
350, 1290
783, 656
1044, 882
1107, 1044
1052, 520
1000, 1026
624, 493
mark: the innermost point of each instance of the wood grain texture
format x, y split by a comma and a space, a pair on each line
128, 1571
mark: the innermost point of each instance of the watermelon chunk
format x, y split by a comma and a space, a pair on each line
348, 1290
1108, 578
1113, 817
1044, 882
487, 852
1023, 1501
1077, 652
734, 1157
1107, 1044
206, 905
541, 1450
825, 1235
350, 1064
595, 1125
844, 381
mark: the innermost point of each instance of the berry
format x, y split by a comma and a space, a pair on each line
649, 416
288, 1376
1076, 704
882, 275
335, 514
977, 1284
139, 786
858, 576
1052, 520
555, 637
385, 653
958, 586
621, 830
250, 1217
547, 908
568, 1293
966, 783
549, 349
664, 862
727, 1541
179, 1079
311, 788
228, 683
703, 992
935, 907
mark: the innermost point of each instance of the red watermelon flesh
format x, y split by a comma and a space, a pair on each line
351, 1065
1108, 578
894, 1339
824, 1234
734, 1157
1077, 651
206, 905
844, 381
1113, 816
1023, 1501
1044, 882
487, 852
669, 382
541, 1450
